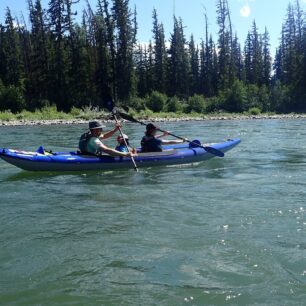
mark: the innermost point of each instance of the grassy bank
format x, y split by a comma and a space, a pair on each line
50, 114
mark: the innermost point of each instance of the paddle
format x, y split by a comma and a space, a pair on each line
206, 148
110, 107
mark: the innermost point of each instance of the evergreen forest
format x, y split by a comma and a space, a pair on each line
53, 57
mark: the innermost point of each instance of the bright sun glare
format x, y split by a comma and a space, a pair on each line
245, 11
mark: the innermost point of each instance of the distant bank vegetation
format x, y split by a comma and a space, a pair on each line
54, 66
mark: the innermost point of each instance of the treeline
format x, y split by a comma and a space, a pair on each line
54, 60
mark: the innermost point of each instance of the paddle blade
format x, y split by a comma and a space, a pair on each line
214, 151
125, 108
108, 103
129, 118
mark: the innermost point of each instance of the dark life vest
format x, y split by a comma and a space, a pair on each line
84, 139
151, 144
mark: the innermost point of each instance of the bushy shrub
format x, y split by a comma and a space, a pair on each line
137, 103
174, 105
264, 98
89, 112
7, 116
280, 98
156, 101
146, 114
213, 104
254, 111
75, 112
11, 98
258, 97
236, 98
196, 104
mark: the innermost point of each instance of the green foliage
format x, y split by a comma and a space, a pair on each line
51, 112
213, 104
146, 114
1, 87
160, 55
174, 105
156, 101
125, 37
252, 97
75, 112
234, 99
46, 113
280, 98
178, 72
88, 112
137, 103
12, 98
254, 111
196, 104
7, 116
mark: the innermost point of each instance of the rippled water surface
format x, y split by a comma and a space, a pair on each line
228, 231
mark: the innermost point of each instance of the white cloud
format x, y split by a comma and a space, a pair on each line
245, 11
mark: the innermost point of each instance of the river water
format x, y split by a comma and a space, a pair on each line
227, 231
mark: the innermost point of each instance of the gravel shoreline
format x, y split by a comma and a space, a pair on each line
186, 118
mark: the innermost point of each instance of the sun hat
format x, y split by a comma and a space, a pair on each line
126, 137
95, 125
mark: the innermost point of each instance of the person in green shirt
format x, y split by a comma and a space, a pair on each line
91, 142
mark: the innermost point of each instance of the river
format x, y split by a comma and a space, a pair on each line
229, 231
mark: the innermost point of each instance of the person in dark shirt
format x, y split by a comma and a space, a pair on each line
151, 142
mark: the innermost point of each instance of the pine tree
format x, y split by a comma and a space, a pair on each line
141, 64
160, 55
267, 60
2, 54
80, 89
178, 62
194, 64
237, 59
13, 65
104, 10
254, 58
290, 51
38, 87
226, 77
125, 41
150, 68
299, 86
104, 71
59, 65
289, 62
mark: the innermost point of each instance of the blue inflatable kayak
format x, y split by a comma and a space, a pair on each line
73, 161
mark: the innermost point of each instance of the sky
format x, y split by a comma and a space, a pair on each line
266, 13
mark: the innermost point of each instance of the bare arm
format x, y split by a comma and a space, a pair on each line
162, 135
169, 142
110, 133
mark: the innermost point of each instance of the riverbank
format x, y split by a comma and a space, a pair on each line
185, 117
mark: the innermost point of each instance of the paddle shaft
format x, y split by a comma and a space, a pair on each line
121, 133
206, 148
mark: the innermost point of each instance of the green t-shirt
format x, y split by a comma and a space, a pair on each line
93, 145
